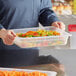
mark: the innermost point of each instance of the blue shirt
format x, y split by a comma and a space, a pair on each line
16, 14
21, 13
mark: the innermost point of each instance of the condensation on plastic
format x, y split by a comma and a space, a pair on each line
41, 41
49, 73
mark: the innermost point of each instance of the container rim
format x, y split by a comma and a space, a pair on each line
11, 69
44, 37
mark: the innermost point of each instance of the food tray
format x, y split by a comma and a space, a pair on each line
41, 41
49, 73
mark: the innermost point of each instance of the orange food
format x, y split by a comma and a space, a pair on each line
21, 73
2, 73
13, 73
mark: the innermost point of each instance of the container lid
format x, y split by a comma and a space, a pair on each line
72, 28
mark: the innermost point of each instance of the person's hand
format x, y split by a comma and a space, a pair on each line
7, 36
60, 25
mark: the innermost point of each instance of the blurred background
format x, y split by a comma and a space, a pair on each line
64, 7
66, 11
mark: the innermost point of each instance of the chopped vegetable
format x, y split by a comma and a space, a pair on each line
38, 33
21, 73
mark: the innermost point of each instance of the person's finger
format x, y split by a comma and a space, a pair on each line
55, 24
61, 26
8, 41
10, 36
12, 32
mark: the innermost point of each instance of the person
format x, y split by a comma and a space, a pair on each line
15, 14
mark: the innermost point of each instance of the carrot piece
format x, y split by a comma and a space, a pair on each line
13, 73
4, 73
23, 73
36, 73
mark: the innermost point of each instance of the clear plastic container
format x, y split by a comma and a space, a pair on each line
41, 41
49, 73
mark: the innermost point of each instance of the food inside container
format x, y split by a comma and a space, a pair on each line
38, 33
25, 72
55, 38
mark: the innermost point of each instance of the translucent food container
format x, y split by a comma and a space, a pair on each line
41, 41
49, 73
